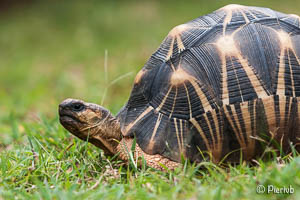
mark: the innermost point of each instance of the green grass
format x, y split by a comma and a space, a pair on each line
53, 50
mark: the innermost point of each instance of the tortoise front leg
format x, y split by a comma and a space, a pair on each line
153, 161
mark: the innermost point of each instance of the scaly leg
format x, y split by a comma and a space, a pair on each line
151, 160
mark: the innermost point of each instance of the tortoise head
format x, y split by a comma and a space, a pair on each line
82, 119
90, 121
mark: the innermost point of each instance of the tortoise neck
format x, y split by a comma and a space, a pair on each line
113, 129
108, 136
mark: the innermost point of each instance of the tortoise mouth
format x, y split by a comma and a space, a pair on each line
71, 123
68, 118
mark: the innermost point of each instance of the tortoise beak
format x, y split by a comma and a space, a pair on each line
64, 107
68, 117
66, 111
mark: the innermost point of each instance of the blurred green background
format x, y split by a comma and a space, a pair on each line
52, 50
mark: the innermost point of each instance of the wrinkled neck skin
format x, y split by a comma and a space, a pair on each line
106, 136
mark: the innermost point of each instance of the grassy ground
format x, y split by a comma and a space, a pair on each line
51, 51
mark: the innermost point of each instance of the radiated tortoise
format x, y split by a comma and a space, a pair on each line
219, 86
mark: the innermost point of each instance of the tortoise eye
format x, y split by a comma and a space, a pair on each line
77, 107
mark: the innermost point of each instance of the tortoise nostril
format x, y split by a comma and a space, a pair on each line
60, 108
65, 103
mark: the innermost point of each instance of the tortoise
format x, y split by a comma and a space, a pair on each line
220, 87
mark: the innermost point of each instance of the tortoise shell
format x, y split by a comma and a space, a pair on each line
219, 85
